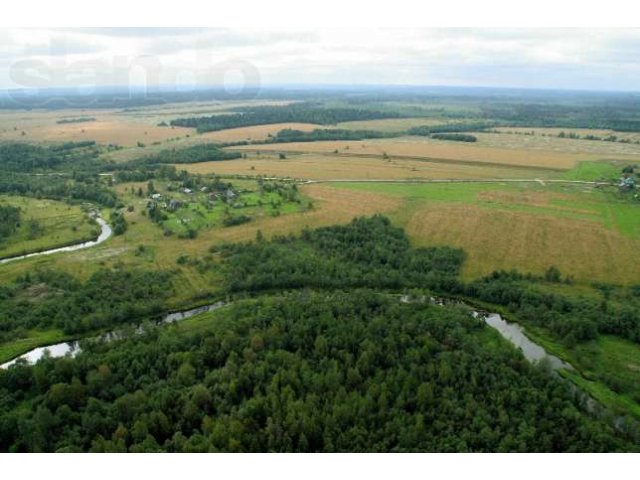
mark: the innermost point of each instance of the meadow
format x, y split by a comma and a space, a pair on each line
45, 224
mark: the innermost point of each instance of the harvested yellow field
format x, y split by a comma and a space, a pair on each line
108, 128
113, 126
589, 149
498, 239
257, 132
409, 147
633, 136
334, 167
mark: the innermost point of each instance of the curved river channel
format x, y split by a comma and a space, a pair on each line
105, 232
510, 331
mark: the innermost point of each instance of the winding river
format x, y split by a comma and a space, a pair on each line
105, 232
513, 332
73, 348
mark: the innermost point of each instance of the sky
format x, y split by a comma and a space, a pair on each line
184, 58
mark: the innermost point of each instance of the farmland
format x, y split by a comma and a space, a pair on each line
315, 166
497, 222
497, 225
412, 148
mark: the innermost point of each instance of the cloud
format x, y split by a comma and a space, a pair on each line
537, 58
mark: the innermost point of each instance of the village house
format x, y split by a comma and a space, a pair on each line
627, 183
175, 204
230, 194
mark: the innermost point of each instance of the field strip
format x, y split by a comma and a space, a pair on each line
304, 181
453, 180
402, 157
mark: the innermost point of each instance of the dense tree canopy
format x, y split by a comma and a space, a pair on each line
354, 371
108, 298
367, 252
25, 157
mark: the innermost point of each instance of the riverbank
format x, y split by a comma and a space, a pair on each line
105, 233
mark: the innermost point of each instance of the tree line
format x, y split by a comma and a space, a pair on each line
295, 113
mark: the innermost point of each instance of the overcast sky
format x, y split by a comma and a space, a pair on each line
592, 59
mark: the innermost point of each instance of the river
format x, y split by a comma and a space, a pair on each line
105, 232
73, 348
513, 332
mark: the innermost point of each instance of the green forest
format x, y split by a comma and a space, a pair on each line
344, 372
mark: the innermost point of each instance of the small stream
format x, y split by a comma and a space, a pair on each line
105, 232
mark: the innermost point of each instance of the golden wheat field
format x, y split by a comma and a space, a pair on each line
410, 147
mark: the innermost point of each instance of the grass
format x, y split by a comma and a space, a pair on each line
606, 369
59, 224
600, 365
592, 171
619, 404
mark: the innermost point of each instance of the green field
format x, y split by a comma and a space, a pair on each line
45, 224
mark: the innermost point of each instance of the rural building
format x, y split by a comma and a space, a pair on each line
230, 194
627, 183
174, 204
